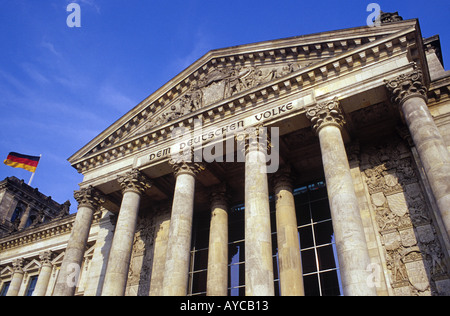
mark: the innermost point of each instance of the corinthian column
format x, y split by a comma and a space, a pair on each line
89, 199
258, 239
44, 274
178, 248
217, 279
410, 93
327, 120
291, 276
17, 278
133, 185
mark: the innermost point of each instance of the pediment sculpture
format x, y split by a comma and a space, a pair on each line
219, 84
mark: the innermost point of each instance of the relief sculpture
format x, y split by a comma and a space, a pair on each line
219, 84
414, 256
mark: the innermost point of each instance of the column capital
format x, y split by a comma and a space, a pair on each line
18, 265
46, 258
183, 164
325, 114
255, 138
89, 197
282, 179
218, 196
407, 86
134, 181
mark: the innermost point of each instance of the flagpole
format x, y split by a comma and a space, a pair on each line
32, 175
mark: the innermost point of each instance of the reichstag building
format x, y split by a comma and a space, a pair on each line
315, 165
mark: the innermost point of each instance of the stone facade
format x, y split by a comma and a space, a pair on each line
356, 123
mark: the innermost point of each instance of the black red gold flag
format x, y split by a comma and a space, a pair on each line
26, 162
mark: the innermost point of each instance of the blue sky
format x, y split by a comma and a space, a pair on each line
61, 86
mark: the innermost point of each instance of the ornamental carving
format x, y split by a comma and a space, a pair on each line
282, 179
89, 197
18, 265
325, 113
414, 256
134, 181
183, 163
387, 17
254, 138
219, 84
141, 263
46, 257
219, 196
406, 86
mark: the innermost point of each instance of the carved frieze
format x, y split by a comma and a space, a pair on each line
219, 84
414, 256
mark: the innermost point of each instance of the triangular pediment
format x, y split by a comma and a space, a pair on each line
219, 83
224, 75
33, 265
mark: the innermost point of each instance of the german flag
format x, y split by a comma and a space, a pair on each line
16, 160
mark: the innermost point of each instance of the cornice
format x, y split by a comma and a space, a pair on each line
372, 51
42, 232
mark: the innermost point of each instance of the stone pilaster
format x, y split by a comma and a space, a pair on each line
180, 234
290, 263
327, 121
409, 92
89, 199
217, 278
133, 185
44, 274
258, 241
17, 277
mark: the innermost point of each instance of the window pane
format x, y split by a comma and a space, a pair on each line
326, 258
311, 284
236, 275
303, 214
318, 191
32, 285
201, 260
330, 284
5, 288
199, 282
309, 261
320, 210
323, 233
306, 237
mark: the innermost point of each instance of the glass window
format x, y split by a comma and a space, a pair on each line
318, 249
5, 288
17, 214
32, 285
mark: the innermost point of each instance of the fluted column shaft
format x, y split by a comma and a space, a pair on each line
88, 200
258, 240
217, 278
17, 278
179, 245
353, 254
44, 274
133, 186
290, 263
410, 93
